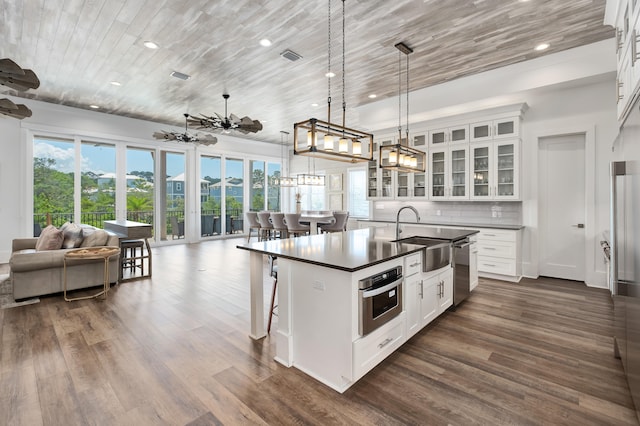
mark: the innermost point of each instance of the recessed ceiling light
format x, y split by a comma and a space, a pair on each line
116, 83
542, 46
373, 96
150, 45
265, 42
314, 104
330, 74
94, 106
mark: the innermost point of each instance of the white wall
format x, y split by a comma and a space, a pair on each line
15, 191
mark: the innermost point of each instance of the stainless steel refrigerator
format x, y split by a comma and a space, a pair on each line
625, 250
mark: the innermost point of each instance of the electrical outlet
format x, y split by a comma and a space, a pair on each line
318, 285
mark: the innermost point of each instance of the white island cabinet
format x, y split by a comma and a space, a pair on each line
318, 300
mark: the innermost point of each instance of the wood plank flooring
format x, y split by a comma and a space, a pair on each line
174, 350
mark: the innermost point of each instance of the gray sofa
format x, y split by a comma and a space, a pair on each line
36, 273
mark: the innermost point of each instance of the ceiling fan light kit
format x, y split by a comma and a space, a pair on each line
350, 142
20, 79
401, 156
227, 123
186, 137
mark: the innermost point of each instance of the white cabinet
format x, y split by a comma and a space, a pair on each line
452, 134
381, 182
473, 263
449, 173
495, 170
499, 254
501, 128
427, 296
369, 350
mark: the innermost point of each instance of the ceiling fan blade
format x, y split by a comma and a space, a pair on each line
20, 113
234, 118
252, 126
207, 140
10, 67
7, 104
164, 135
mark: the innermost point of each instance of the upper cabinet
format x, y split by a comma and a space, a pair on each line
475, 157
446, 135
495, 129
624, 16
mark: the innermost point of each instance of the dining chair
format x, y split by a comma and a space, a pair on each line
279, 227
338, 225
294, 227
265, 225
252, 219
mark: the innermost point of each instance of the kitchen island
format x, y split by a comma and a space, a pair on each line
318, 298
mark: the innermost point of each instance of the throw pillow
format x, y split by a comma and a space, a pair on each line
72, 235
95, 239
50, 239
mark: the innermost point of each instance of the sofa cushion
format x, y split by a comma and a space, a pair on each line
94, 238
50, 239
72, 235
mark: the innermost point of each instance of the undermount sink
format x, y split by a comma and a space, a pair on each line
435, 255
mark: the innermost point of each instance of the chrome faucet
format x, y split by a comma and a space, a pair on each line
398, 231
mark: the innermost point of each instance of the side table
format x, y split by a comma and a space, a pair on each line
91, 253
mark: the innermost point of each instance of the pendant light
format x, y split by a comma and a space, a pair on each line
352, 145
284, 180
401, 156
310, 179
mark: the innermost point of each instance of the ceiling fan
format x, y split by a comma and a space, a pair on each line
228, 122
186, 137
7, 107
15, 77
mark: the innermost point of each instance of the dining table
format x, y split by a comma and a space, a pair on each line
316, 218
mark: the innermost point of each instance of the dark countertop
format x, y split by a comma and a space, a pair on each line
350, 251
455, 224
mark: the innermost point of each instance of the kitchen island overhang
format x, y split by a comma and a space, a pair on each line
318, 300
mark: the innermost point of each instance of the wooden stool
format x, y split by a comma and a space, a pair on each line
130, 258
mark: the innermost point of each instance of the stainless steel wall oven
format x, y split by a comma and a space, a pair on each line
380, 299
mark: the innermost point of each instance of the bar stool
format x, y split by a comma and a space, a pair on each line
273, 268
130, 258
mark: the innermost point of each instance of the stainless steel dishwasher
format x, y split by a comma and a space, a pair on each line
461, 271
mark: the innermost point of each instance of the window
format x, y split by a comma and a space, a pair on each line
357, 195
312, 197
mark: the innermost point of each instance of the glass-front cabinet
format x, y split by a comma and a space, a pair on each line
381, 182
449, 173
495, 129
495, 170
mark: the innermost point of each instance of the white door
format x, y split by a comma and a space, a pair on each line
562, 206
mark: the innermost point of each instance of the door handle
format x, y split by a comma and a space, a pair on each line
579, 225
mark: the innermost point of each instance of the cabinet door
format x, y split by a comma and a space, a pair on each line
473, 266
403, 185
506, 128
459, 134
429, 300
506, 162
412, 301
480, 171
438, 137
438, 181
387, 179
458, 175
481, 131
373, 190
445, 295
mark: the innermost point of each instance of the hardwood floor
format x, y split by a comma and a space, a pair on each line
175, 350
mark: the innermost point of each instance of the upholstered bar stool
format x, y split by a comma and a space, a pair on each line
265, 225
252, 219
339, 224
294, 227
279, 227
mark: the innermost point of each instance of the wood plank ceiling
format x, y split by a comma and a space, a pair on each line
77, 47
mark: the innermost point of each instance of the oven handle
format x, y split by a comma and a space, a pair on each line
376, 291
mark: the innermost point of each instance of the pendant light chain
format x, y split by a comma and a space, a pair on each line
344, 101
329, 65
407, 132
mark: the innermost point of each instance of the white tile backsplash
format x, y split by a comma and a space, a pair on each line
476, 212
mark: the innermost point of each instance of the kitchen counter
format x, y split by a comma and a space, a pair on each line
353, 250
453, 224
